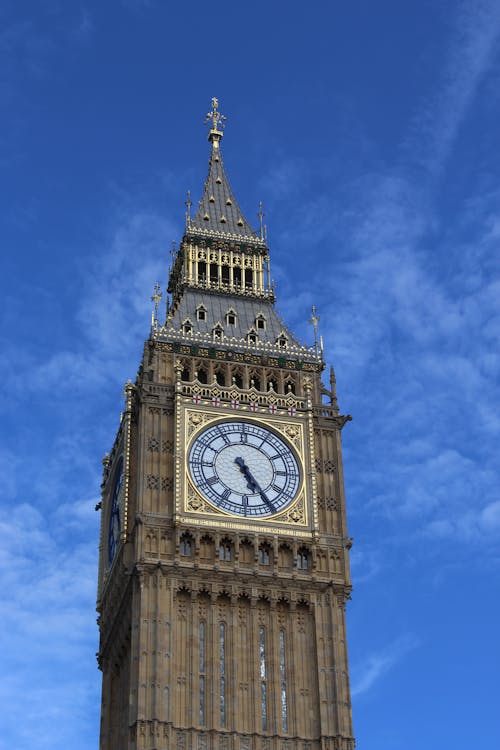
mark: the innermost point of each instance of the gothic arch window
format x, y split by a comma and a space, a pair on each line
237, 277
201, 312
214, 273
260, 322
283, 685
187, 326
252, 336
218, 332
290, 386
237, 377
263, 677
231, 317
185, 372
264, 554
202, 273
225, 275
222, 673
282, 341
303, 559
225, 550
272, 384
202, 673
186, 545
248, 278
202, 375
255, 381
220, 375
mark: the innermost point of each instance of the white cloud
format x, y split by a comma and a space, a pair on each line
375, 666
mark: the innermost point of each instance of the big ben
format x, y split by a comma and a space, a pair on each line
224, 551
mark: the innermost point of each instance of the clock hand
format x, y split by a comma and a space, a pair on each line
252, 483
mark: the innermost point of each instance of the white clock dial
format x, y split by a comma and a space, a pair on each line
244, 468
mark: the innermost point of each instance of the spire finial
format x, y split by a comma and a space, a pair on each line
217, 121
188, 209
156, 298
314, 320
261, 215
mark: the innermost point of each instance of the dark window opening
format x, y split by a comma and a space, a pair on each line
237, 276
225, 551
186, 547
221, 378
201, 313
261, 323
255, 382
202, 271
214, 273
225, 274
248, 277
302, 560
238, 380
185, 374
202, 376
231, 319
264, 556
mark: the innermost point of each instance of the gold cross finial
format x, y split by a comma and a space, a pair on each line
214, 116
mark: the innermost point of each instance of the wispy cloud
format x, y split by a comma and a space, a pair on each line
378, 664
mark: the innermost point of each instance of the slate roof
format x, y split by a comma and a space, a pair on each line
217, 306
218, 211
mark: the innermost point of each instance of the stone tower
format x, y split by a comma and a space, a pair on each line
224, 571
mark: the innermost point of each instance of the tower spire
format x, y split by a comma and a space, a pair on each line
218, 214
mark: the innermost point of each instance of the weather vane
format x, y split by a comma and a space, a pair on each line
218, 121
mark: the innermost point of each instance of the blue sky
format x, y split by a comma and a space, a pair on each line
371, 132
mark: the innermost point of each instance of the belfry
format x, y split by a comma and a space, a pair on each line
224, 552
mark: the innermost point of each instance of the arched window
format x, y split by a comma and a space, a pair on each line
187, 326
282, 342
186, 545
260, 322
252, 336
231, 317
202, 674
217, 333
201, 312
302, 559
264, 554
225, 550
202, 376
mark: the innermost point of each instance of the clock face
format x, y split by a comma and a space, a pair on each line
114, 518
244, 469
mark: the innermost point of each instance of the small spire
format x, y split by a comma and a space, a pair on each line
261, 215
314, 320
156, 298
188, 205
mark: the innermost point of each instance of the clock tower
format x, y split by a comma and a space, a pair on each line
223, 569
